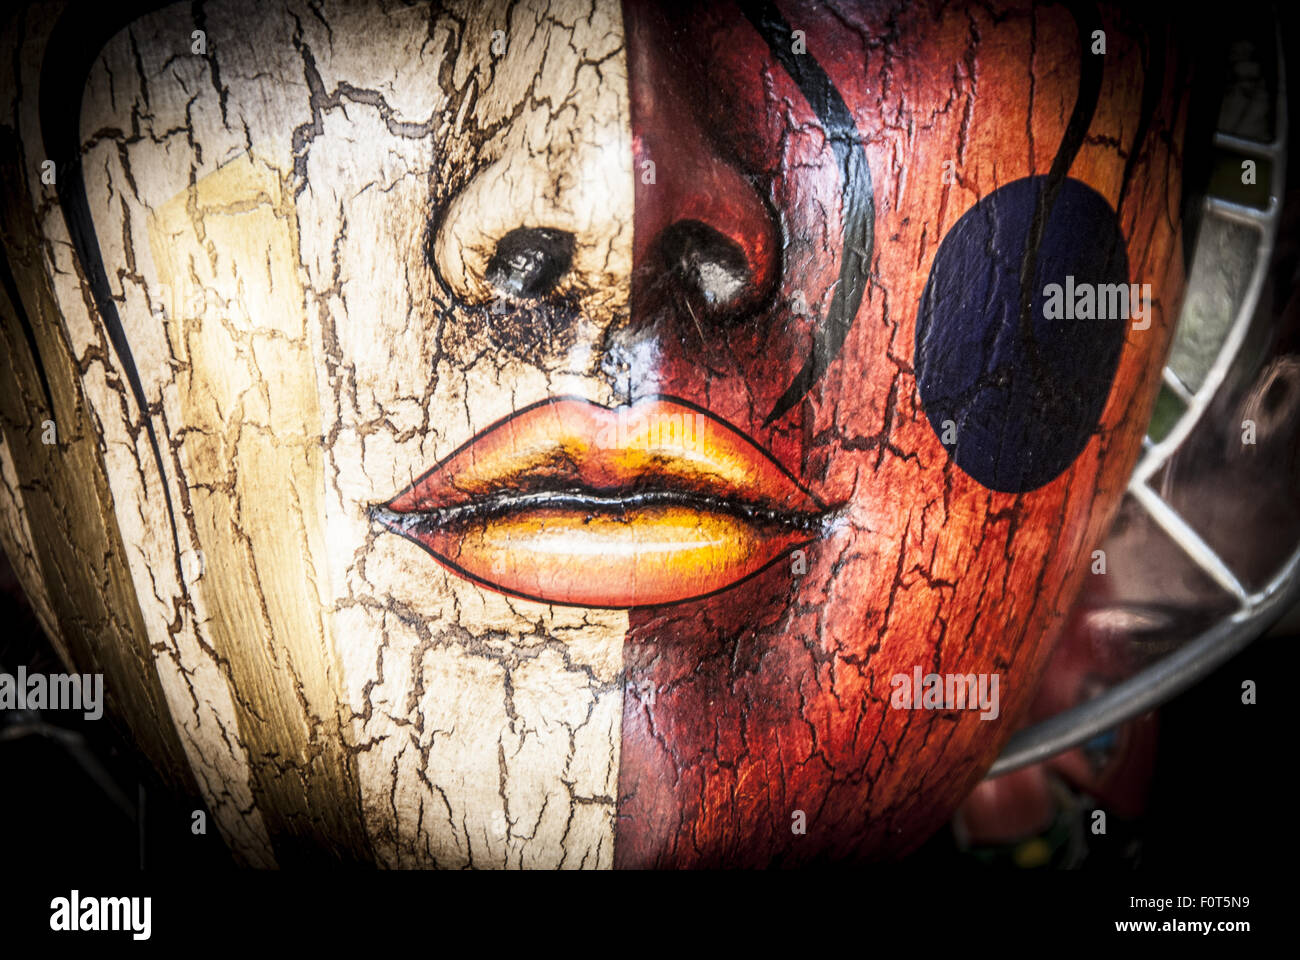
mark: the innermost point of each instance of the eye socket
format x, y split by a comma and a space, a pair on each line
529, 261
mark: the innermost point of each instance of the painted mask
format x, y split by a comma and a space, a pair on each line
577, 435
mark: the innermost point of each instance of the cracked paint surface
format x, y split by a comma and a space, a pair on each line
773, 698
289, 245
298, 228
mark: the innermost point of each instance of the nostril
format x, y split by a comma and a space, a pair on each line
529, 261
711, 268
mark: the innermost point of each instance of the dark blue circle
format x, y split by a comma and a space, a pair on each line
1025, 395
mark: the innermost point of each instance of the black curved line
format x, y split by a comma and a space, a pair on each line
24, 321
581, 499
1086, 19
859, 205
1153, 82
76, 41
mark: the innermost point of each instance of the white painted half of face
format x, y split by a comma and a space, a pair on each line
266, 239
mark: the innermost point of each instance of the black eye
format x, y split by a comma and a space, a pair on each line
1016, 396
529, 261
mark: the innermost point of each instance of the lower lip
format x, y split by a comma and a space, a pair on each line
633, 557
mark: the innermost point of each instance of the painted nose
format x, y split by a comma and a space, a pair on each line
547, 214
702, 230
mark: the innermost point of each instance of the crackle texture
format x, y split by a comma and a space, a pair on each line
297, 318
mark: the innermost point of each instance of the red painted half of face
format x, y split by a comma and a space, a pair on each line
788, 701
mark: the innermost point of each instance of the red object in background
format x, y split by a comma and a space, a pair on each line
1115, 769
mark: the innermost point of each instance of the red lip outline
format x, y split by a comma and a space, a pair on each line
570, 502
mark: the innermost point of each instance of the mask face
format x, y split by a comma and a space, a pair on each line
556, 435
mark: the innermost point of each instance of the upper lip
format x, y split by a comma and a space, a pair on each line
569, 452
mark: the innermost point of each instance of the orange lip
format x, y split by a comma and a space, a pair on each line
570, 502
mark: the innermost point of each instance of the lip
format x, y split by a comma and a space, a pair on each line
570, 502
